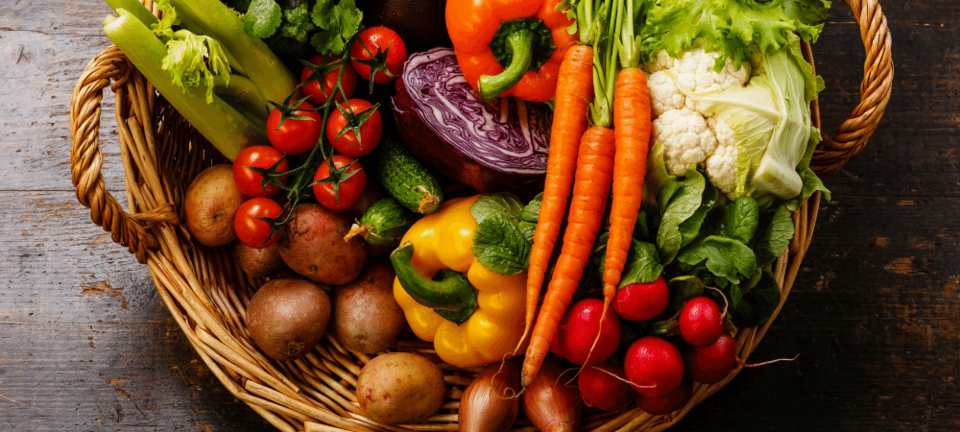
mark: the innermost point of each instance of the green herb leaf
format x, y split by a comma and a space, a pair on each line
500, 246
683, 288
297, 23
350, 17
643, 264
507, 204
531, 211
339, 21
678, 201
726, 258
740, 219
774, 236
262, 19
758, 304
324, 14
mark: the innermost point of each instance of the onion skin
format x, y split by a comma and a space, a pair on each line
489, 404
549, 403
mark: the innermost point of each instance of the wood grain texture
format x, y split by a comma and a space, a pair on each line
86, 344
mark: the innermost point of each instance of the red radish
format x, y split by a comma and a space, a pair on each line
578, 329
669, 403
701, 322
605, 386
654, 366
712, 363
642, 301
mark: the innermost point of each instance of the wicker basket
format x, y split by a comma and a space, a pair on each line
207, 294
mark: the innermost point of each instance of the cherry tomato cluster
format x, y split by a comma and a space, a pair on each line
351, 126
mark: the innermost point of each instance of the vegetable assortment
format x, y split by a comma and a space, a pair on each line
664, 167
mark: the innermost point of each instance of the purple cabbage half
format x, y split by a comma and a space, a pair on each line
444, 123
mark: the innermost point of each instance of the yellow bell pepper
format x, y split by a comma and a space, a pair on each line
434, 256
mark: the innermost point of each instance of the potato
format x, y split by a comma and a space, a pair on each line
210, 204
258, 263
400, 388
366, 316
314, 246
287, 317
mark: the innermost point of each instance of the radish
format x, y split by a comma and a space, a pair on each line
701, 322
578, 329
712, 363
642, 301
653, 366
669, 403
604, 386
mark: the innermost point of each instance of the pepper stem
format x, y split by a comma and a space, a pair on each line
449, 293
520, 46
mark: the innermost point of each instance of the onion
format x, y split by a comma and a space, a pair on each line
551, 404
489, 404
444, 123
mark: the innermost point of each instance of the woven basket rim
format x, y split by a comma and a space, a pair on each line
207, 295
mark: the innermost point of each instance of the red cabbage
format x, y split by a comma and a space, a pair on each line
442, 118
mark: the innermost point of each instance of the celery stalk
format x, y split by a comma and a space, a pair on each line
219, 122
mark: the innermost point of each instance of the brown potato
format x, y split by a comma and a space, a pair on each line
258, 263
210, 205
314, 246
366, 316
287, 317
400, 388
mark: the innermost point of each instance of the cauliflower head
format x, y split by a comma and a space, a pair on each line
689, 134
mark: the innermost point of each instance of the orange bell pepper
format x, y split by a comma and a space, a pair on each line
509, 47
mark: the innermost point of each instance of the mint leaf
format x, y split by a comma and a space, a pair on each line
500, 246
678, 201
774, 237
262, 19
726, 258
506, 204
528, 229
531, 211
740, 219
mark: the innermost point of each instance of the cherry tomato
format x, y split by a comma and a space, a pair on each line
319, 95
348, 189
379, 39
251, 230
294, 135
370, 130
251, 183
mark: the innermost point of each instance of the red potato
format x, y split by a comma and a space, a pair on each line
578, 330
712, 363
605, 386
642, 301
314, 246
654, 366
701, 322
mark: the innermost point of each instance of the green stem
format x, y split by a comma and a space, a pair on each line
449, 294
135, 8
220, 123
520, 44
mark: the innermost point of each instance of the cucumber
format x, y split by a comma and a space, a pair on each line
384, 223
407, 180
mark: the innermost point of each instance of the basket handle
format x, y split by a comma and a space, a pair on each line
86, 159
875, 90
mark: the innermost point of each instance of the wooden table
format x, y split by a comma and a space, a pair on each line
87, 345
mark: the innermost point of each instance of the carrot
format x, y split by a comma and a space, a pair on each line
594, 175
574, 93
631, 120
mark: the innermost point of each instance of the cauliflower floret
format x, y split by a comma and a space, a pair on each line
721, 166
664, 94
690, 135
686, 139
695, 74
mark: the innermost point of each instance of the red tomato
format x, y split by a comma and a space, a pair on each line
295, 135
370, 130
379, 40
251, 183
319, 95
253, 231
347, 190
